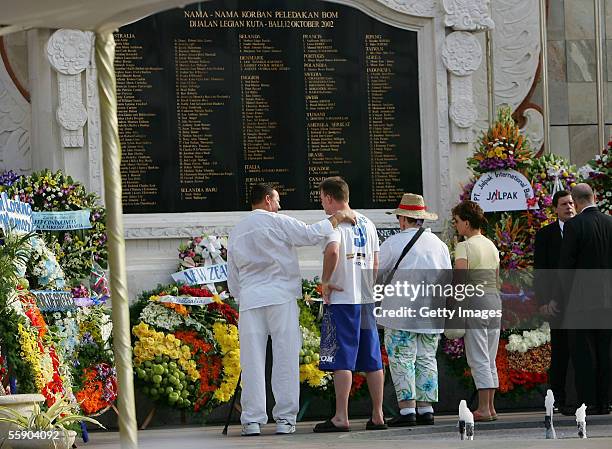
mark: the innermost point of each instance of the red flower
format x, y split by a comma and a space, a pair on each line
385, 356
195, 292
358, 381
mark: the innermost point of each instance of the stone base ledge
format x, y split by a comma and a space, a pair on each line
192, 224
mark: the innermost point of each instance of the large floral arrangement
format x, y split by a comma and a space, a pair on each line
598, 172
99, 388
501, 147
76, 251
513, 232
42, 269
186, 356
31, 351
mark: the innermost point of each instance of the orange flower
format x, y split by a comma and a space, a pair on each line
503, 371
178, 308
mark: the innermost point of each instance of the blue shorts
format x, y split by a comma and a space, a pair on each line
349, 338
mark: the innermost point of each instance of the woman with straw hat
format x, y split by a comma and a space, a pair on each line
414, 256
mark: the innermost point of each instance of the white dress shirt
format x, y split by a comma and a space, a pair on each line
263, 266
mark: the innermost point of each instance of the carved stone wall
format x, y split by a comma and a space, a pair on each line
71, 55
15, 120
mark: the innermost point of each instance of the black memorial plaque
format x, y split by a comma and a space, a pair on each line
224, 94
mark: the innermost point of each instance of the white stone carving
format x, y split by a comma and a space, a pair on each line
15, 125
463, 113
72, 114
69, 51
516, 43
534, 128
419, 8
94, 139
467, 15
462, 54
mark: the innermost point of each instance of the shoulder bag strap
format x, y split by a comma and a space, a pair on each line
410, 244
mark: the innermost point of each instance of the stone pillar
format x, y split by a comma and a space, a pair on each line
65, 105
462, 55
45, 141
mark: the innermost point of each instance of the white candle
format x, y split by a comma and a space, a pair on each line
581, 413
549, 402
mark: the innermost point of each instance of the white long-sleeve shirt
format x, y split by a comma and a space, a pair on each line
263, 266
427, 261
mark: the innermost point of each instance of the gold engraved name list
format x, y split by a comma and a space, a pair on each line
134, 119
385, 174
325, 128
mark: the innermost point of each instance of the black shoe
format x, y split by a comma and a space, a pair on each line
408, 420
371, 426
425, 419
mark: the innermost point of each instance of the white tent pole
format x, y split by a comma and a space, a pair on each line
111, 159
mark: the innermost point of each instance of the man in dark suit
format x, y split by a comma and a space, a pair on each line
586, 261
549, 292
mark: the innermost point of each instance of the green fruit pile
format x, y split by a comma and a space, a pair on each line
310, 346
165, 381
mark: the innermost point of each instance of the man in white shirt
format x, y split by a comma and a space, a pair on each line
412, 341
349, 337
264, 278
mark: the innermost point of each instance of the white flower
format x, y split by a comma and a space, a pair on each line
585, 171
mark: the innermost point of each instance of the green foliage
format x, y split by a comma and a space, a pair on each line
58, 416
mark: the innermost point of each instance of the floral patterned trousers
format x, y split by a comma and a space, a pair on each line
413, 364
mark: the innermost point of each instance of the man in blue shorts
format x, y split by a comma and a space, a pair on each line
349, 337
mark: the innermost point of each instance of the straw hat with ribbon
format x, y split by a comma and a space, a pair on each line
413, 206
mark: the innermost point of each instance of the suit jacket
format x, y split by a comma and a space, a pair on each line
586, 263
547, 253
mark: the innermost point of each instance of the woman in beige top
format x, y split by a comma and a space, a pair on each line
478, 254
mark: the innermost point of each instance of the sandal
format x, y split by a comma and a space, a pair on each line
371, 426
328, 426
482, 418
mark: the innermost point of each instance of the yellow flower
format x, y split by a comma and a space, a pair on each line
227, 337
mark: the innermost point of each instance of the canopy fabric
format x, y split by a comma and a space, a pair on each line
92, 15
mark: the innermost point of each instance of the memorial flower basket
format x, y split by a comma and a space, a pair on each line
76, 250
186, 356
502, 146
522, 359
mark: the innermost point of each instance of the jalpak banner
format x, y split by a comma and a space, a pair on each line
15, 216
202, 275
503, 190
62, 221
